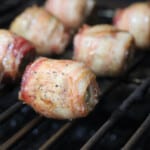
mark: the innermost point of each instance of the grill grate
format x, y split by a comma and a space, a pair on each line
121, 119
20, 133
117, 114
138, 134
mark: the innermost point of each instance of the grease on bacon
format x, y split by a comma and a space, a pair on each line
15, 54
103, 48
60, 89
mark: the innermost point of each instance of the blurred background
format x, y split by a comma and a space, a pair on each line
117, 3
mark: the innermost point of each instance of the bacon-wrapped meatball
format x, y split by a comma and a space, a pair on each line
60, 89
136, 20
46, 32
70, 12
103, 48
15, 54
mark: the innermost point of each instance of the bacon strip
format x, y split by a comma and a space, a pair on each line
103, 48
136, 20
14, 50
45, 31
71, 12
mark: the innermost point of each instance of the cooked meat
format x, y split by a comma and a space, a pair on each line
136, 20
46, 32
15, 53
60, 89
103, 48
70, 12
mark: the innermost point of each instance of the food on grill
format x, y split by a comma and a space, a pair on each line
46, 32
136, 20
104, 49
60, 89
71, 12
15, 54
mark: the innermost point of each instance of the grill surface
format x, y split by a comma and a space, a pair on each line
120, 120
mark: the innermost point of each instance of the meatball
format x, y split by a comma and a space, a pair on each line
47, 33
15, 54
104, 49
60, 89
136, 20
71, 12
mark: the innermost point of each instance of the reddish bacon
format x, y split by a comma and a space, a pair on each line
14, 50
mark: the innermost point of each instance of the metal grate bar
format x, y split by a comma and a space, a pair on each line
20, 133
138, 134
10, 111
58, 134
102, 130
116, 115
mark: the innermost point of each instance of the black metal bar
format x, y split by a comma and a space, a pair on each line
116, 115
20, 133
57, 135
134, 81
10, 111
138, 134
